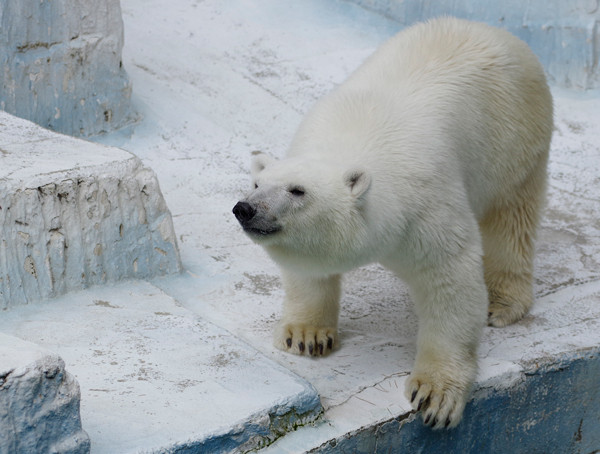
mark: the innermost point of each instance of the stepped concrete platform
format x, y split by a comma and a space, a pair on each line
257, 66
75, 213
155, 377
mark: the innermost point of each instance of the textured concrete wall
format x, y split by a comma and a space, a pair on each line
39, 402
563, 34
75, 214
61, 64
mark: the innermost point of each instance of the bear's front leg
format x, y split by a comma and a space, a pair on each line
310, 314
451, 304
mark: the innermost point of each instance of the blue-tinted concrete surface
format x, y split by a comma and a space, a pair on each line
39, 402
156, 378
61, 64
563, 33
554, 408
74, 214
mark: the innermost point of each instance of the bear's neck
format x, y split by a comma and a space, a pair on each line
316, 263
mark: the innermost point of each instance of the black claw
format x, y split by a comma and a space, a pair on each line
320, 348
301, 346
427, 419
421, 402
311, 348
413, 396
447, 423
289, 342
434, 422
329, 343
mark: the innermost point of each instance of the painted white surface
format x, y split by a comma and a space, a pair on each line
153, 375
32, 156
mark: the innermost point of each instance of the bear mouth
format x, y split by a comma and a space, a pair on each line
261, 232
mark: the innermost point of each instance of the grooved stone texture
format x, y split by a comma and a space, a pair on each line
39, 402
563, 34
75, 214
61, 64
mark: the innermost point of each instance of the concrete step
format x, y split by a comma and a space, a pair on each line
75, 213
155, 377
536, 392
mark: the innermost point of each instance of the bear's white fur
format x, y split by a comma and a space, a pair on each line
430, 159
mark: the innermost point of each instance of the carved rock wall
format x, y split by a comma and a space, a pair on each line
61, 64
39, 402
75, 214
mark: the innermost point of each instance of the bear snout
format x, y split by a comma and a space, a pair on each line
243, 212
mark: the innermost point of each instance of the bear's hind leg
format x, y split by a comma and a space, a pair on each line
508, 234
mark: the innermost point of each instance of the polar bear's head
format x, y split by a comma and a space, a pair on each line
303, 206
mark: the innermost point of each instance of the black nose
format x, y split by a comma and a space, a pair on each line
243, 211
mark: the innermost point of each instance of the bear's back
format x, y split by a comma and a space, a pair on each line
447, 97
448, 51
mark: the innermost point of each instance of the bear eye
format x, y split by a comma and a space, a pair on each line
297, 191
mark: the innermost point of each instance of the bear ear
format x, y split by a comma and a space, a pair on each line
358, 181
259, 162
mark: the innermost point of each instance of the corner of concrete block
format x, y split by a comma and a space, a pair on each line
302, 410
67, 227
39, 401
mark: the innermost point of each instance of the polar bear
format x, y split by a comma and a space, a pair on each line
431, 160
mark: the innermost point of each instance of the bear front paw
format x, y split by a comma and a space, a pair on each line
302, 339
440, 401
